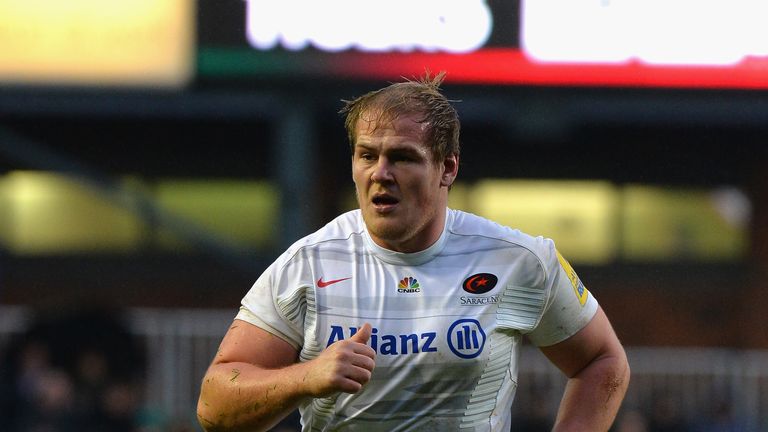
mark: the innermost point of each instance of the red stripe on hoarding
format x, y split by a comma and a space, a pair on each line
511, 66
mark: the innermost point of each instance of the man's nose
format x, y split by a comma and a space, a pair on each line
382, 171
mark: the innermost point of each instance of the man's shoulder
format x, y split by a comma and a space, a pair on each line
469, 224
341, 229
336, 240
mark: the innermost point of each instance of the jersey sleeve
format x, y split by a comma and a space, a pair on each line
261, 307
570, 306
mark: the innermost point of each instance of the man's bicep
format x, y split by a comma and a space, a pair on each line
595, 340
245, 342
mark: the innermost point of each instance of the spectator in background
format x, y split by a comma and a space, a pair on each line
78, 372
42, 395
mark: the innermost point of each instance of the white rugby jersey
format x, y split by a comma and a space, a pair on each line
447, 321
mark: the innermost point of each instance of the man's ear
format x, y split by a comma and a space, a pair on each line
450, 170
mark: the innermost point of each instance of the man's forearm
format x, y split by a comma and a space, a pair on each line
593, 396
239, 396
256, 380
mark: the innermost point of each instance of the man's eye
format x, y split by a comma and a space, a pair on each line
366, 156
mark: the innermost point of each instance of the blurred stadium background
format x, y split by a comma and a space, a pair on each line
156, 156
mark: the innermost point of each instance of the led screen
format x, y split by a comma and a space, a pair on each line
635, 43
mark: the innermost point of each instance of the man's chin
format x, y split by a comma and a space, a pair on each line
388, 232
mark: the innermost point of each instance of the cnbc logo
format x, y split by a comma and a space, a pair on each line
408, 285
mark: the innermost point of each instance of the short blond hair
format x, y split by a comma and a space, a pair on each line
422, 97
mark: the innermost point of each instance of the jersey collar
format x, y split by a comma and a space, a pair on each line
415, 258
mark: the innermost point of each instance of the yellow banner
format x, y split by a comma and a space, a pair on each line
97, 42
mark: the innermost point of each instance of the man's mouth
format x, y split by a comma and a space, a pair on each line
384, 202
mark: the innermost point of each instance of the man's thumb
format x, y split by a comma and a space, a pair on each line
363, 334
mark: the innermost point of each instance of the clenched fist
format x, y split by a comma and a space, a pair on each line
345, 366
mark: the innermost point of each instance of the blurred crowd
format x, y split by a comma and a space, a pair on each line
663, 414
85, 372
80, 372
